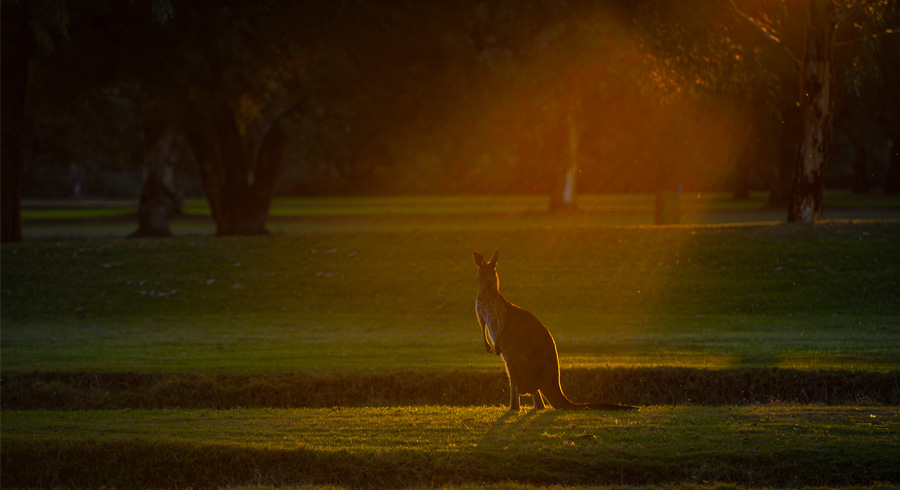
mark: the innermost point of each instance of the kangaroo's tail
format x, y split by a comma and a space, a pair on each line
609, 406
558, 399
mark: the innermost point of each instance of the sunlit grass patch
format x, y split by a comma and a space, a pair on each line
76, 214
402, 447
706, 297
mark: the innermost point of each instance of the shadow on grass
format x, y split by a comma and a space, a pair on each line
632, 386
758, 361
744, 447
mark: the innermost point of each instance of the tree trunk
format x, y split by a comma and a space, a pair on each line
860, 169
158, 204
667, 206
15, 48
816, 113
563, 196
158, 200
239, 184
742, 181
892, 178
753, 152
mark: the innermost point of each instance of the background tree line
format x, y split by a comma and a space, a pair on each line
241, 100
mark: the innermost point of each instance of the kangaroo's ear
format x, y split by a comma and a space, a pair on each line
493, 262
479, 259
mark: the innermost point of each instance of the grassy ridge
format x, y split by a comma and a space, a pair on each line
400, 447
633, 386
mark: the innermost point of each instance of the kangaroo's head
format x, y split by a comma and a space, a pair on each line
487, 271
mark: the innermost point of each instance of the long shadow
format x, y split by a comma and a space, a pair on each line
549, 450
508, 427
770, 360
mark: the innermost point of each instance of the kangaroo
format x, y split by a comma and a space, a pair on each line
525, 345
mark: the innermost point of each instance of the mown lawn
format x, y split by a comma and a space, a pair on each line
67, 219
718, 330
785, 446
781, 296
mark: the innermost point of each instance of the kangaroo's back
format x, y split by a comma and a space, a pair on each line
531, 354
527, 347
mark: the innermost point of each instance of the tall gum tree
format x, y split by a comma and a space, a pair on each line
228, 76
222, 74
27, 26
821, 19
706, 42
816, 113
16, 46
239, 166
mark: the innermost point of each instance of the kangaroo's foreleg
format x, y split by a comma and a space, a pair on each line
484, 335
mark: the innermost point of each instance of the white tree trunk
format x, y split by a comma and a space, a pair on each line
565, 185
568, 196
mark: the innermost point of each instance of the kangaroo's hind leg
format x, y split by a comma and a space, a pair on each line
538, 399
513, 397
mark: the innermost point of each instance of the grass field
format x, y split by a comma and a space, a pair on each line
46, 220
765, 355
784, 446
714, 297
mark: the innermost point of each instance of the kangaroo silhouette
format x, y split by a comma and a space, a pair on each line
524, 343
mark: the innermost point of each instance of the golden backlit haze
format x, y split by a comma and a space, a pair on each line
509, 133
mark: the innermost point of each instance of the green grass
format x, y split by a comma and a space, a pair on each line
76, 214
368, 303
819, 297
43, 220
785, 446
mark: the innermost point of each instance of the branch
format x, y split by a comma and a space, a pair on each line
281, 105
860, 39
768, 35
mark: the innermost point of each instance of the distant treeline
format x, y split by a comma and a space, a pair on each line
454, 98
